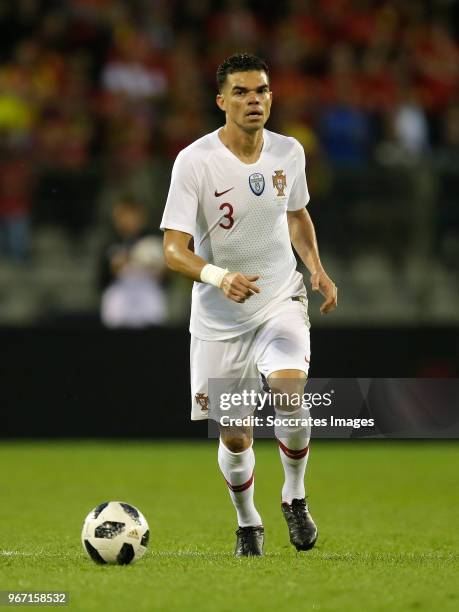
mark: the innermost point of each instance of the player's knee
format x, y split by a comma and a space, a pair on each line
236, 443
287, 393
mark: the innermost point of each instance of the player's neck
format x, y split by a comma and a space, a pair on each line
246, 146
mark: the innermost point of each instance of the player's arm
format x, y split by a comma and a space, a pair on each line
303, 238
181, 258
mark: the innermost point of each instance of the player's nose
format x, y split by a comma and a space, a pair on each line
254, 97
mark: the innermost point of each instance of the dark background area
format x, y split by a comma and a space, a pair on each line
84, 381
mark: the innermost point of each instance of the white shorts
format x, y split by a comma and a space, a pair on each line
280, 343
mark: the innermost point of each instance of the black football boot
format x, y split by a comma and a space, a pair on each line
302, 529
250, 541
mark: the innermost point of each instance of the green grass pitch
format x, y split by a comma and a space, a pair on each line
387, 514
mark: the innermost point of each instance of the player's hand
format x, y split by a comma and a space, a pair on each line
320, 281
239, 287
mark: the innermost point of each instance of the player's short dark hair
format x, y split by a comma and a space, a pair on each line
239, 62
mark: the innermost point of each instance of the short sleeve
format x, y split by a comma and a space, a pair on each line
299, 194
182, 200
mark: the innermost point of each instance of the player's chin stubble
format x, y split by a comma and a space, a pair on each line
253, 126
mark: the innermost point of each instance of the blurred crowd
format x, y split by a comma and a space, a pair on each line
132, 275
98, 96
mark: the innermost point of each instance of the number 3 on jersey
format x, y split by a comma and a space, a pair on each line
228, 216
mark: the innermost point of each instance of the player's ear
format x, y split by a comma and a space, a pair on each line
220, 99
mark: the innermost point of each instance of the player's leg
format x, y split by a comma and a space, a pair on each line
237, 462
293, 436
227, 361
283, 357
294, 432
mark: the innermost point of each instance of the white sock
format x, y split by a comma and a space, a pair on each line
237, 468
294, 452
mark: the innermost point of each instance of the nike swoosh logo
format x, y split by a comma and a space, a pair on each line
217, 194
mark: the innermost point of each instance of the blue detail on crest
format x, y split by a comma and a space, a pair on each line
257, 183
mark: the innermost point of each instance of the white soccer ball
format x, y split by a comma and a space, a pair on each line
116, 533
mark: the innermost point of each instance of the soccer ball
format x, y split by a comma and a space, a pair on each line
116, 533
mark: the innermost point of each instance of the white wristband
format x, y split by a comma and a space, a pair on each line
213, 275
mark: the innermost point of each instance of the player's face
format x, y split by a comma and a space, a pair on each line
246, 99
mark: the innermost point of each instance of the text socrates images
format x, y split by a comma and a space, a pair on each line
339, 408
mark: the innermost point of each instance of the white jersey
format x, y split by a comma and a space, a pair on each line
237, 214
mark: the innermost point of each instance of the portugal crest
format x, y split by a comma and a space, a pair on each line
279, 182
257, 183
202, 400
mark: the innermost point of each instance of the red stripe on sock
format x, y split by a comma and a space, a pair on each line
293, 454
241, 487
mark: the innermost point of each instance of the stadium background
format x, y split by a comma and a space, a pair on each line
96, 99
